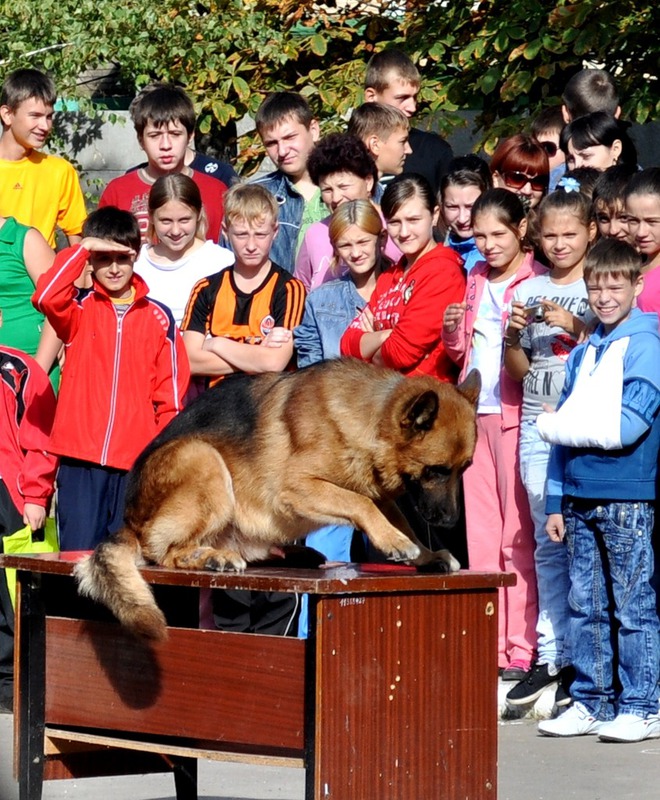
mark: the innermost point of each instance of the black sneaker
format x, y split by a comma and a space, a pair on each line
532, 686
563, 694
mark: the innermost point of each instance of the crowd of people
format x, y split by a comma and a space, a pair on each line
537, 267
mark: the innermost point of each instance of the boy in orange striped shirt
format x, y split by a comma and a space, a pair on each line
241, 319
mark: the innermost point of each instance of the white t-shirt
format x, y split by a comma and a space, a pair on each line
486, 355
171, 284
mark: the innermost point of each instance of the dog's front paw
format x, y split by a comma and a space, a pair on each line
441, 561
405, 551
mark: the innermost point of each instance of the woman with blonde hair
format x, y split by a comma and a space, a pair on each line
357, 235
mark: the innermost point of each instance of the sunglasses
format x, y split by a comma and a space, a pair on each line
550, 148
516, 180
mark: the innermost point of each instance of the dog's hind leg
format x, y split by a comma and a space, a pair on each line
324, 502
185, 524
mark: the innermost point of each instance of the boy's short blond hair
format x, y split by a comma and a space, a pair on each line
389, 64
613, 257
249, 202
376, 119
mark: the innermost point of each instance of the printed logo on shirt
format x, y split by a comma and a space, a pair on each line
140, 209
267, 324
562, 344
12, 377
18, 186
211, 168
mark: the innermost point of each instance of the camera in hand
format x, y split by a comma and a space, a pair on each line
535, 313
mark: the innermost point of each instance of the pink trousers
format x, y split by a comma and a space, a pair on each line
500, 534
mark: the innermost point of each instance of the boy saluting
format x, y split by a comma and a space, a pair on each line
125, 377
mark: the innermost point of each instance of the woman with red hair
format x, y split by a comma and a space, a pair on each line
520, 164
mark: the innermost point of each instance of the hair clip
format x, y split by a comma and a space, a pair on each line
569, 184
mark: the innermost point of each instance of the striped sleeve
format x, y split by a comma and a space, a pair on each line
294, 305
197, 314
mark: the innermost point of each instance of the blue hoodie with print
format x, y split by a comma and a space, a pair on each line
606, 436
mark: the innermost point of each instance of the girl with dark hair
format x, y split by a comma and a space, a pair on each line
548, 315
597, 140
609, 202
467, 179
177, 254
499, 529
401, 325
642, 199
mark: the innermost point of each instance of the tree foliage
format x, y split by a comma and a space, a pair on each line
503, 58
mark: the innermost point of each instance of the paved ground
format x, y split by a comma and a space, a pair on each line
531, 768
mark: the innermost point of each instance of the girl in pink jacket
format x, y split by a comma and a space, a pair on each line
500, 535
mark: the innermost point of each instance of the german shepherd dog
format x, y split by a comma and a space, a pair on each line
260, 461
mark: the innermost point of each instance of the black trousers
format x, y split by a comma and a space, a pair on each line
243, 611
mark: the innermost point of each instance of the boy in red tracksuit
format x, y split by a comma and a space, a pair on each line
125, 374
27, 475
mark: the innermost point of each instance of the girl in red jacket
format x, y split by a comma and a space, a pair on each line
401, 327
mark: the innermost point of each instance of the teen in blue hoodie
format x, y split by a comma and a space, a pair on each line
601, 493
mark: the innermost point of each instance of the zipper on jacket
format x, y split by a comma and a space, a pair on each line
115, 382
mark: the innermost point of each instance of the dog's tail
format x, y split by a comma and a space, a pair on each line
111, 577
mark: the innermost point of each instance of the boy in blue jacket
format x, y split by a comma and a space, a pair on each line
601, 493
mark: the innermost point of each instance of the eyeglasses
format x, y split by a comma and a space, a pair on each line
516, 180
550, 148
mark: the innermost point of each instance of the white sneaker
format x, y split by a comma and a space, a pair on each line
630, 728
575, 721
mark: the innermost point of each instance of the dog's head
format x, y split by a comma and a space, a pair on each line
434, 434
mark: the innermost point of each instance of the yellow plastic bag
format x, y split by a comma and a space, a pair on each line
21, 542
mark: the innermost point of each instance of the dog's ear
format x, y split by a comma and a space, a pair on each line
471, 387
420, 412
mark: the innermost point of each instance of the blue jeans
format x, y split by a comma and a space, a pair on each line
550, 558
334, 541
613, 609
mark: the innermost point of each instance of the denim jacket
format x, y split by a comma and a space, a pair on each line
291, 206
329, 310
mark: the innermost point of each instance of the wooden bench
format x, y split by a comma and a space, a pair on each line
392, 696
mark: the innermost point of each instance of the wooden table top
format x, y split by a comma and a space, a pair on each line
345, 579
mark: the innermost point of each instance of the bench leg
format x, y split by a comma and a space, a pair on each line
32, 682
185, 778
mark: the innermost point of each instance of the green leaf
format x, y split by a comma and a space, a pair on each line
532, 49
318, 44
489, 80
241, 87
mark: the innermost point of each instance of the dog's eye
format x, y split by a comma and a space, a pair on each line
437, 471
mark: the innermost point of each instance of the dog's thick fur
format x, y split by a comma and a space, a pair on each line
261, 461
